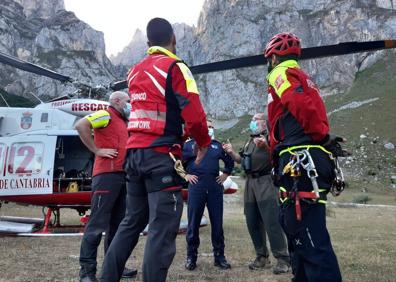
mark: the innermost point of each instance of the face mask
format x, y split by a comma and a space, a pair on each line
211, 132
256, 127
253, 127
127, 110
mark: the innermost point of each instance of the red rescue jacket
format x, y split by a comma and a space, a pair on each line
114, 136
296, 112
164, 96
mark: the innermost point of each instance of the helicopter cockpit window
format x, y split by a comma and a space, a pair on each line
44, 117
25, 158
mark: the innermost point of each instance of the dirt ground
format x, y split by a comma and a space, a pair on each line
363, 238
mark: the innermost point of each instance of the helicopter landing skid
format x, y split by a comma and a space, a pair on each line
52, 223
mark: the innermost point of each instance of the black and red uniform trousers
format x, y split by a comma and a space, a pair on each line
311, 252
107, 211
153, 198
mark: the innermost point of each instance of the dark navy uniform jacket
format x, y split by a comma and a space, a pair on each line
210, 163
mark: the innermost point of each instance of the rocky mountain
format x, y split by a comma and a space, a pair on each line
233, 28
43, 32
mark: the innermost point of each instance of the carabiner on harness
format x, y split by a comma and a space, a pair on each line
338, 184
309, 165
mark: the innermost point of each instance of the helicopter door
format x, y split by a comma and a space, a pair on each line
26, 165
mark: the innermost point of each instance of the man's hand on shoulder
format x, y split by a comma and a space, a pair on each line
106, 153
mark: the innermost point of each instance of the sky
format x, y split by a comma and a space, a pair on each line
119, 19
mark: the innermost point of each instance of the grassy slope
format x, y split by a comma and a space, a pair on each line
376, 118
372, 165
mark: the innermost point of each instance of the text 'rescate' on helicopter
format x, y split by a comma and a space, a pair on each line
44, 163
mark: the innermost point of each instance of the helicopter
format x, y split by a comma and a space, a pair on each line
42, 159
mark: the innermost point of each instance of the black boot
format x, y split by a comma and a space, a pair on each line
222, 263
191, 264
129, 273
88, 274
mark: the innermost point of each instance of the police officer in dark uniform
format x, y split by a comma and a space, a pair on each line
206, 188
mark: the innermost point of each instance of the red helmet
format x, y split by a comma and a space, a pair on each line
282, 44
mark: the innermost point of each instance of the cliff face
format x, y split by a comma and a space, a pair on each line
43, 32
235, 28
43, 9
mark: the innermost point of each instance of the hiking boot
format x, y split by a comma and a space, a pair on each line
129, 273
281, 267
222, 263
191, 264
260, 262
88, 274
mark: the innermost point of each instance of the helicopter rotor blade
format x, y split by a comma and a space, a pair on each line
29, 67
84, 90
344, 48
306, 54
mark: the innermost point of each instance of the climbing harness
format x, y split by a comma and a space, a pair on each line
301, 159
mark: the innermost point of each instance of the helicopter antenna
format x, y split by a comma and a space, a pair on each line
35, 96
5, 101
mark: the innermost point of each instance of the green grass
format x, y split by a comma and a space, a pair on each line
363, 240
238, 134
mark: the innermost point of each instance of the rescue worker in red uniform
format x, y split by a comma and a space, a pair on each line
163, 95
108, 182
303, 153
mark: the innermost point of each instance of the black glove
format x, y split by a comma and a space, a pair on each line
332, 144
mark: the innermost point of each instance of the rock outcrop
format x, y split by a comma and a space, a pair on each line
43, 32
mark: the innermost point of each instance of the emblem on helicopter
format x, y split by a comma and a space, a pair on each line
26, 120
